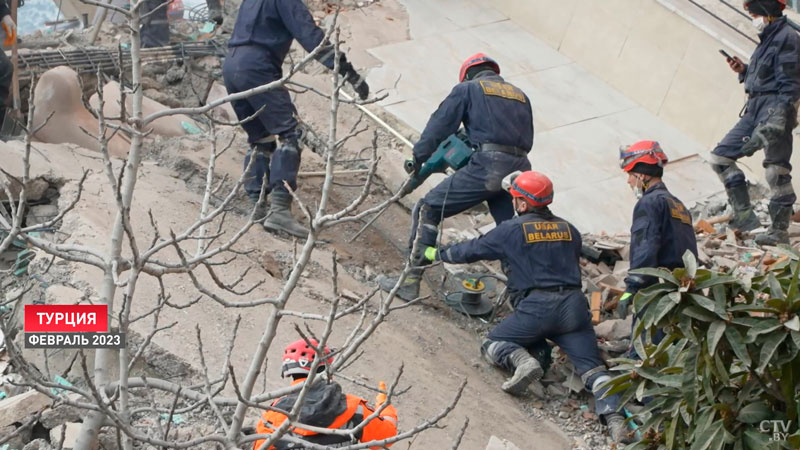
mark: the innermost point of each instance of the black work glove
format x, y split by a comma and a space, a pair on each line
215, 15
359, 84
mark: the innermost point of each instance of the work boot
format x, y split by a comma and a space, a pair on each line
526, 370
261, 207
744, 219
279, 217
777, 233
618, 429
408, 291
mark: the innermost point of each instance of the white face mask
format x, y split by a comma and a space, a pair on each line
638, 191
759, 23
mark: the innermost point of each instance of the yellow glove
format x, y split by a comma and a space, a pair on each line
11, 30
380, 399
624, 305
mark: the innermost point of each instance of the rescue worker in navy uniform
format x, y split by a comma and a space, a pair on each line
772, 83
6, 69
542, 254
498, 121
325, 406
661, 231
154, 31
262, 35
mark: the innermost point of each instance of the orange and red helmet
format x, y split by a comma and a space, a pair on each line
768, 8
534, 187
476, 60
645, 152
298, 357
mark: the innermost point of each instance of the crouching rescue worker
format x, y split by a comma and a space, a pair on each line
498, 121
541, 254
261, 38
662, 230
325, 406
772, 84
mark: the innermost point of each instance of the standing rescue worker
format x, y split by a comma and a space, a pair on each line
499, 124
261, 38
662, 229
542, 254
772, 84
6, 68
325, 406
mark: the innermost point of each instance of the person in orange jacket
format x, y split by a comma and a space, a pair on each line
325, 406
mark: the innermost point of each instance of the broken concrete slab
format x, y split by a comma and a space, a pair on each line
61, 414
614, 329
57, 96
34, 190
58, 294
169, 126
38, 444
495, 443
69, 431
17, 408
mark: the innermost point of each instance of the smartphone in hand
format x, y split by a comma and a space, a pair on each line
726, 55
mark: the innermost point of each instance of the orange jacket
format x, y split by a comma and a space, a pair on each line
355, 411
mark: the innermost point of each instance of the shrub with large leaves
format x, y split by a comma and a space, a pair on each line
729, 361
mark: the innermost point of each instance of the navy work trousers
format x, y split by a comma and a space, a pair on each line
480, 180
245, 68
564, 318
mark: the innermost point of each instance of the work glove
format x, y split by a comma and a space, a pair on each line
624, 304
215, 15
359, 84
431, 253
380, 399
11, 30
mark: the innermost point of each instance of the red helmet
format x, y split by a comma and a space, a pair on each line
534, 187
647, 152
474, 60
298, 356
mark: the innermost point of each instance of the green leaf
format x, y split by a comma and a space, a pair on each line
716, 280
664, 274
670, 435
754, 413
768, 349
715, 332
766, 325
736, 342
704, 438
698, 313
754, 440
722, 371
775, 288
796, 338
777, 304
663, 307
793, 324
690, 263
709, 305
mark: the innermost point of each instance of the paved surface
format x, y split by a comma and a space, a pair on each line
580, 120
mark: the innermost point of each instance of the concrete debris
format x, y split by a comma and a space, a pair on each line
614, 329
69, 431
495, 443
19, 407
38, 444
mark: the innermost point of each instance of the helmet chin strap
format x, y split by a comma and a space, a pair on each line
645, 182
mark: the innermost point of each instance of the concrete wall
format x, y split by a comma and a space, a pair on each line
660, 53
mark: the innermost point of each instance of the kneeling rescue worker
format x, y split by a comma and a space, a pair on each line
541, 254
325, 406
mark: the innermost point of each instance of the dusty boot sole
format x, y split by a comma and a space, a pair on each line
524, 375
771, 240
403, 293
278, 229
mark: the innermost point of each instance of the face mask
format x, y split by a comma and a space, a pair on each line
638, 191
759, 23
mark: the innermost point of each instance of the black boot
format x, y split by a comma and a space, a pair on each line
778, 231
409, 289
279, 217
618, 429
261, 207
744, 219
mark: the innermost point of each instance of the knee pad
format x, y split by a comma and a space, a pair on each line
726, 169
592, 375
779, 179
